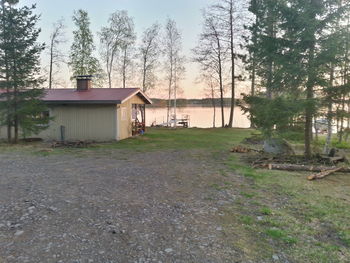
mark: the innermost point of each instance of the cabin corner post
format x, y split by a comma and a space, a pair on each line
144, 117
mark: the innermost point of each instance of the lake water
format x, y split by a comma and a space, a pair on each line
200, 117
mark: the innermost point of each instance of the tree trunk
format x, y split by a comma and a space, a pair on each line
252, 87
144, 72
329, 115
8, 96
51, 64
230, 124
341, 131
271, 33
16, 123
169, 91
300, 168
221, 85
310, 95
214, 106
124, 68
175, 95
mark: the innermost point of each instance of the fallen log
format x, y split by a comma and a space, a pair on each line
301, 168
323, 174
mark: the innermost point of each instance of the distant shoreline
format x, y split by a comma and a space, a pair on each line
182, 103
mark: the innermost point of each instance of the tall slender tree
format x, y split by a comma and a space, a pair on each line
149, 53
229, 15
115, 40
174, 62
210, 53
55, 54
127, 58
82, 60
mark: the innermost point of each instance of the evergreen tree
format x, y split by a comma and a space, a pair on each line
307, 27
295, 51
82, 60
20, 106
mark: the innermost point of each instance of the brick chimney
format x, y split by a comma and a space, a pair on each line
84, 83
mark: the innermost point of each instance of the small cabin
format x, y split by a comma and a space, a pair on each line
94, 114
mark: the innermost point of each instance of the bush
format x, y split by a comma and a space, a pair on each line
271, 115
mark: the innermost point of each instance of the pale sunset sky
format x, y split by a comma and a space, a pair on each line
186, 13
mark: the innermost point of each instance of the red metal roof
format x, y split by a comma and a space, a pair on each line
93, 96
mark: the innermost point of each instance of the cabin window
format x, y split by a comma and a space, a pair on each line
135, 112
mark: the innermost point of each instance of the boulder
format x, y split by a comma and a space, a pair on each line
278, 146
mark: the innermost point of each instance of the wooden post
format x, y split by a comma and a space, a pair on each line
144, 117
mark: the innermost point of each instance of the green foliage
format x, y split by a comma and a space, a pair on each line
271, 114
81, 58
33, 113
20, 71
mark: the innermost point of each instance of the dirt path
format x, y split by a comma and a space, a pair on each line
114, 206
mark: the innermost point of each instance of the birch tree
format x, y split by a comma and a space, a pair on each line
149, 52
174, 64
210, 54
115, 39
229, 16
127, 59
55, 54
82, 60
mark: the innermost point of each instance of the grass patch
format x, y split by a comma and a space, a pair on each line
247, 195
266, 211
281, 235
247, 220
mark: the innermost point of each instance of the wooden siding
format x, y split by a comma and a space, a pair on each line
125, 124
82, 122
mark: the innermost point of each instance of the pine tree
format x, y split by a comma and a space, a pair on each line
20, 107
307, 27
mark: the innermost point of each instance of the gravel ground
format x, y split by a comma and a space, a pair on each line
115, 206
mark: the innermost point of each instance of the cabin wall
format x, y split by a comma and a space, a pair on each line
82, 122
3, 132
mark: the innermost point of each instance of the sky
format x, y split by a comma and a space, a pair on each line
186, 13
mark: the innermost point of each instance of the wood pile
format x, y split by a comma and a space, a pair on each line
242, 149
70, 144
321, 165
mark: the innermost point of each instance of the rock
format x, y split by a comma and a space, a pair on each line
275, 257
19, 232
168, 250
278, 146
